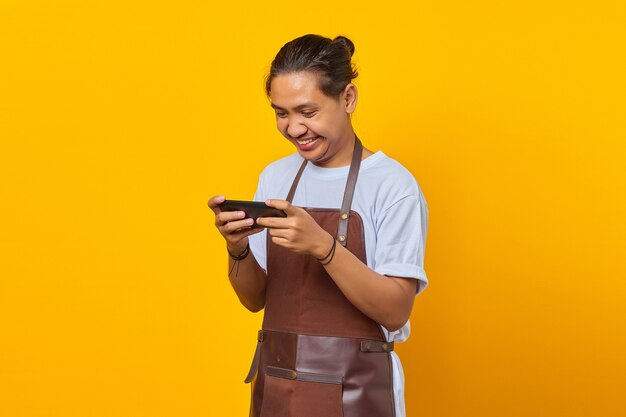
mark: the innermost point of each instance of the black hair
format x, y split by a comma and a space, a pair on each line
329, 58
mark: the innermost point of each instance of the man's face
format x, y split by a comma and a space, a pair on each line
316, 124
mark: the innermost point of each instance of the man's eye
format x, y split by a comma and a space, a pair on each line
308, 113
281, 115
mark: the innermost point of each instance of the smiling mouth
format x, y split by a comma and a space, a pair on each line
306, 141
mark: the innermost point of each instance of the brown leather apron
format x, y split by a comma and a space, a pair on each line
318, 355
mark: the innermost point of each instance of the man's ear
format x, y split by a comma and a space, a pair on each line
350, 96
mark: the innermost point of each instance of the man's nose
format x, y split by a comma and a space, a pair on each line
296, 129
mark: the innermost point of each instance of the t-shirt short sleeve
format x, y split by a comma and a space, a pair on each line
401, 236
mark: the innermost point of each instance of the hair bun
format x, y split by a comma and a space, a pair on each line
347, 42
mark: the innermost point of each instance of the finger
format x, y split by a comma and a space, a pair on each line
214, 201
274, 222
281, 242
284, 205
236, 237
228, 216
234, 226
280, 233
278, 240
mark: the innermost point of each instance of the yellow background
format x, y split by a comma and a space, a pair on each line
118, 120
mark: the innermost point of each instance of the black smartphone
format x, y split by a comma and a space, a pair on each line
253, 209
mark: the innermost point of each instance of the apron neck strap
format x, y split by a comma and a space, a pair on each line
344, 215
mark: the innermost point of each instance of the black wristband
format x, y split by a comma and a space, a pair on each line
330, 255
242, 255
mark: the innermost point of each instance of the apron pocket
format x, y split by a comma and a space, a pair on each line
289, 393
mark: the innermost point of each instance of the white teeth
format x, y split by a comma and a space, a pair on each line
306, 142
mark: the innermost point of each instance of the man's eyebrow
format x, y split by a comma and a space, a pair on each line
298, 107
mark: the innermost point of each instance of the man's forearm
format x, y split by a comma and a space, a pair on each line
386, 300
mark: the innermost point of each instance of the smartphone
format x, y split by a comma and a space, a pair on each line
253, 209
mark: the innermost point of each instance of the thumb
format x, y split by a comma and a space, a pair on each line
283, 205
214, 203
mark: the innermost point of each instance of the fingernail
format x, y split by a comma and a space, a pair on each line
249, 221
241, 214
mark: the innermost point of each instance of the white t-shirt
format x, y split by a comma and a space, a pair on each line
394, 213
